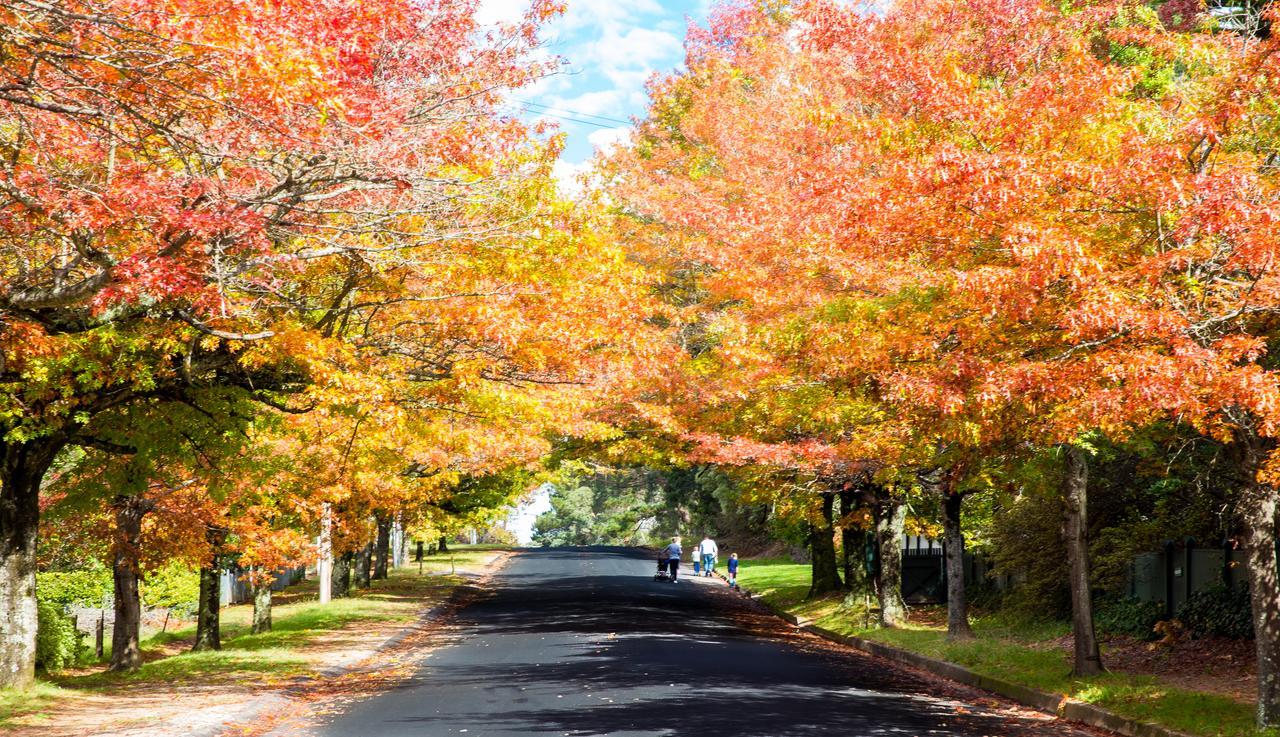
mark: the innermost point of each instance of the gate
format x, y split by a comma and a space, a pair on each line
923, 576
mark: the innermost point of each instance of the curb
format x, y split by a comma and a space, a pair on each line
1060, 706
256, 707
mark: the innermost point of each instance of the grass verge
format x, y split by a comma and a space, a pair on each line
1011, 650
261, 660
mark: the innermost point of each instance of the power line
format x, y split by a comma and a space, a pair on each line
568, 119
575, 113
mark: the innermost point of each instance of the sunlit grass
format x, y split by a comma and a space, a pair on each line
298, 622
1011, 649
28, 703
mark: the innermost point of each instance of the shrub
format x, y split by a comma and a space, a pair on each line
90, 588
175, 586
1218, 610
1132, 617
57, 640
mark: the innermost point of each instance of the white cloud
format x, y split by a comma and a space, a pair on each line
501, 11
603, 13
636, 47
606, 139
611, 49
570, 176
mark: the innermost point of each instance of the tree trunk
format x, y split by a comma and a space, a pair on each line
891, 516
208, 636
444, 545
209, 612
957, 605
822, 548
1259, 504
364, 562
126, 653
402, 544
850, 545
1087, 660
324, 562
383, 547
22, 470
261, 604
342, 575
854, 540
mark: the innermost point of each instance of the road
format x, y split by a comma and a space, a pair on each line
584, 642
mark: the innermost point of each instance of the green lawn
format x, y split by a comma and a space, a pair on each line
1007, 649
298, 619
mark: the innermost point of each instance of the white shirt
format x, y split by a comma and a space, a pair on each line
708, 547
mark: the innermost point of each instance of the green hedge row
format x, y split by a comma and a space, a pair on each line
1217, 610
59, 644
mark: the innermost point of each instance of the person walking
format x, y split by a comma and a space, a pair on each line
695, 555
733, 571
709, 552
673, 553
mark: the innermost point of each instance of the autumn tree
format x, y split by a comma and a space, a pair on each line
169, 188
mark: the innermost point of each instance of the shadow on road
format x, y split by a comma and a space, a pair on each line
617, 653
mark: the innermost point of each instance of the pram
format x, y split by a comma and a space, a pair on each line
662, 574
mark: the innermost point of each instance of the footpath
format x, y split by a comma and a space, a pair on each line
315, 657
1124, 704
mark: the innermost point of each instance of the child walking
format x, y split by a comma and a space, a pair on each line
733, 571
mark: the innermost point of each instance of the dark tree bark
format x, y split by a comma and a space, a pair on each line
126, 653
364, 562
444, 545
1087, 659
1259, 505
261, 603
383, 547
822, 549
22, 469
891, 517
342, 575
853, 543
208, 636
957, 604
209, 611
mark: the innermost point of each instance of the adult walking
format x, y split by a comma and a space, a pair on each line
709, 552
673, 553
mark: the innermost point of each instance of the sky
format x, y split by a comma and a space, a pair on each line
611, 48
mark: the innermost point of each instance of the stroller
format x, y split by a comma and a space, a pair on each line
662, 574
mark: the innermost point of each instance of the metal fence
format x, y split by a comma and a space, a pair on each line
924, 571
1175, 573
235, 590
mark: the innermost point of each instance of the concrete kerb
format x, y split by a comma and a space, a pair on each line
1075, 711
226, 723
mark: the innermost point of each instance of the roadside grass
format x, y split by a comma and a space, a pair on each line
262, 659
30, 703
1014, 650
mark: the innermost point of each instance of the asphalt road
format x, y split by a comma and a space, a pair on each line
584, 642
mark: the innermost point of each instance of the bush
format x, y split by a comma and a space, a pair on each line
57, 640
1132, 617
1218, 610
92, 588
175, 586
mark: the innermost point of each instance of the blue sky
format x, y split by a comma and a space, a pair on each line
612, 47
